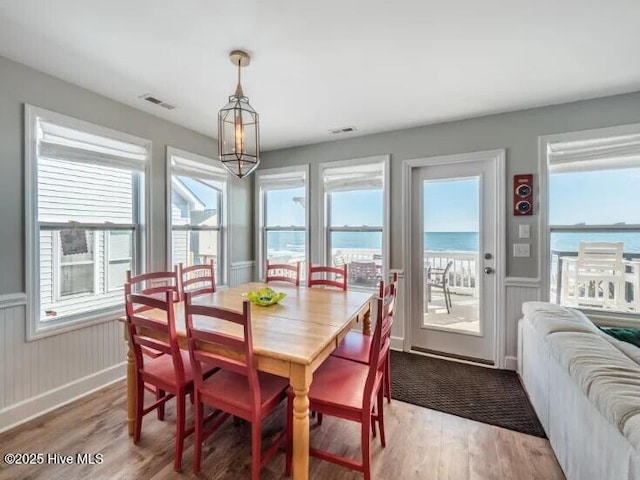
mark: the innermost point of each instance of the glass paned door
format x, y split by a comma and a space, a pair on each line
453, 251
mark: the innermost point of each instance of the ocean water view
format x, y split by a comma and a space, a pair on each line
448, 241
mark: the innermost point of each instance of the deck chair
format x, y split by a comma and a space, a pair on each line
596, 277
439, 278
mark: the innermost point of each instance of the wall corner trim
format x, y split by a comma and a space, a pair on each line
9, 300
511, 363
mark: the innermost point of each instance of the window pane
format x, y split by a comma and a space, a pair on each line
601, 197
70, 191
285, 207
76, 246
286, 246
195, 202
76, 279
76, 283
598, 270
120, 258
196, 248
362, 251
356, 208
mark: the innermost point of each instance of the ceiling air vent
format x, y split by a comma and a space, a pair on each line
157, 101
338, 131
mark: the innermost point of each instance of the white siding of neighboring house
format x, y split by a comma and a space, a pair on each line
180, 240
84, 193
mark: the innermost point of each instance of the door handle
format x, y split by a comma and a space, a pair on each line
488, 270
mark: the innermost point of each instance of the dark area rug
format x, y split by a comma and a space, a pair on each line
477, 393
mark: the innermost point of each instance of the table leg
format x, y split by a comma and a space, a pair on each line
130, 392
300, 381
366, 322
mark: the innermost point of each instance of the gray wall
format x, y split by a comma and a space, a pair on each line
517, 132
20, 84
51, 371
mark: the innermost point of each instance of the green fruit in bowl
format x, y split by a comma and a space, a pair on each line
265, 296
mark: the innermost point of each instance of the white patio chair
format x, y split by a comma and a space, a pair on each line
596, 277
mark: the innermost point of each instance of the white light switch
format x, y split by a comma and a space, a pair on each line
521, 250
524, 231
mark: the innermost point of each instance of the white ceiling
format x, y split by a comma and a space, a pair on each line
374, 64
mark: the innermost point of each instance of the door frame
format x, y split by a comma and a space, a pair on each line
409, 168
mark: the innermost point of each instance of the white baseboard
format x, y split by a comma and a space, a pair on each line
33, 407
397, 343
511, 363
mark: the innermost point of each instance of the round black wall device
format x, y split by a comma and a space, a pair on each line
523, 206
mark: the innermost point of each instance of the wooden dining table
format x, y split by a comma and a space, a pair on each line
290, 339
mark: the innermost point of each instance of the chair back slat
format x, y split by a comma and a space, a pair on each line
335, 272
283, 272
154, 283
197, 279
157, 334
236, 354
153, 343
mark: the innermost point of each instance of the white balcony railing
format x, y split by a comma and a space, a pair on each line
597, 294
462, 274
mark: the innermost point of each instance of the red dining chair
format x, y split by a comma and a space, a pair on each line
155, 284
351, 391
283, 272
357, 347
237, 389
339, 275
197, 279
169, 372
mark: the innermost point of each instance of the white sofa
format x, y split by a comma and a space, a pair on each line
585, 387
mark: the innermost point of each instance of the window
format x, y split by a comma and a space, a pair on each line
197, 200
282, 210
84, 193
356, 202
594, 222
77, 270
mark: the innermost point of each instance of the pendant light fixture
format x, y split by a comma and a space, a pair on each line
238, 129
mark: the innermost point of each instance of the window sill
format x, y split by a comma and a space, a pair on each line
39, 329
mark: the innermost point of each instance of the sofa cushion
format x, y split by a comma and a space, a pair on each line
629, 335
607, 376
548, 318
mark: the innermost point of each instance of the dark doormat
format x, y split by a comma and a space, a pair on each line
477, 393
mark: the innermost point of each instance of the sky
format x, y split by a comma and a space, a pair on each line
596, 198
362, 207
451, 205
600, 197
203, 192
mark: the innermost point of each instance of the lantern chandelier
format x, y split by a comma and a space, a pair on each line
238, 128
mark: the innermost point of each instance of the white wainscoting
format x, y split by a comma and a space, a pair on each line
518, 291
242, 272
39, 376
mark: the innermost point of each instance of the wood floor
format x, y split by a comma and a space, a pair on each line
421, 444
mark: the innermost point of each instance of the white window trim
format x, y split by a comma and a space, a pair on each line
320, 214
260, 214
225, 230
36, 328
544, 264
